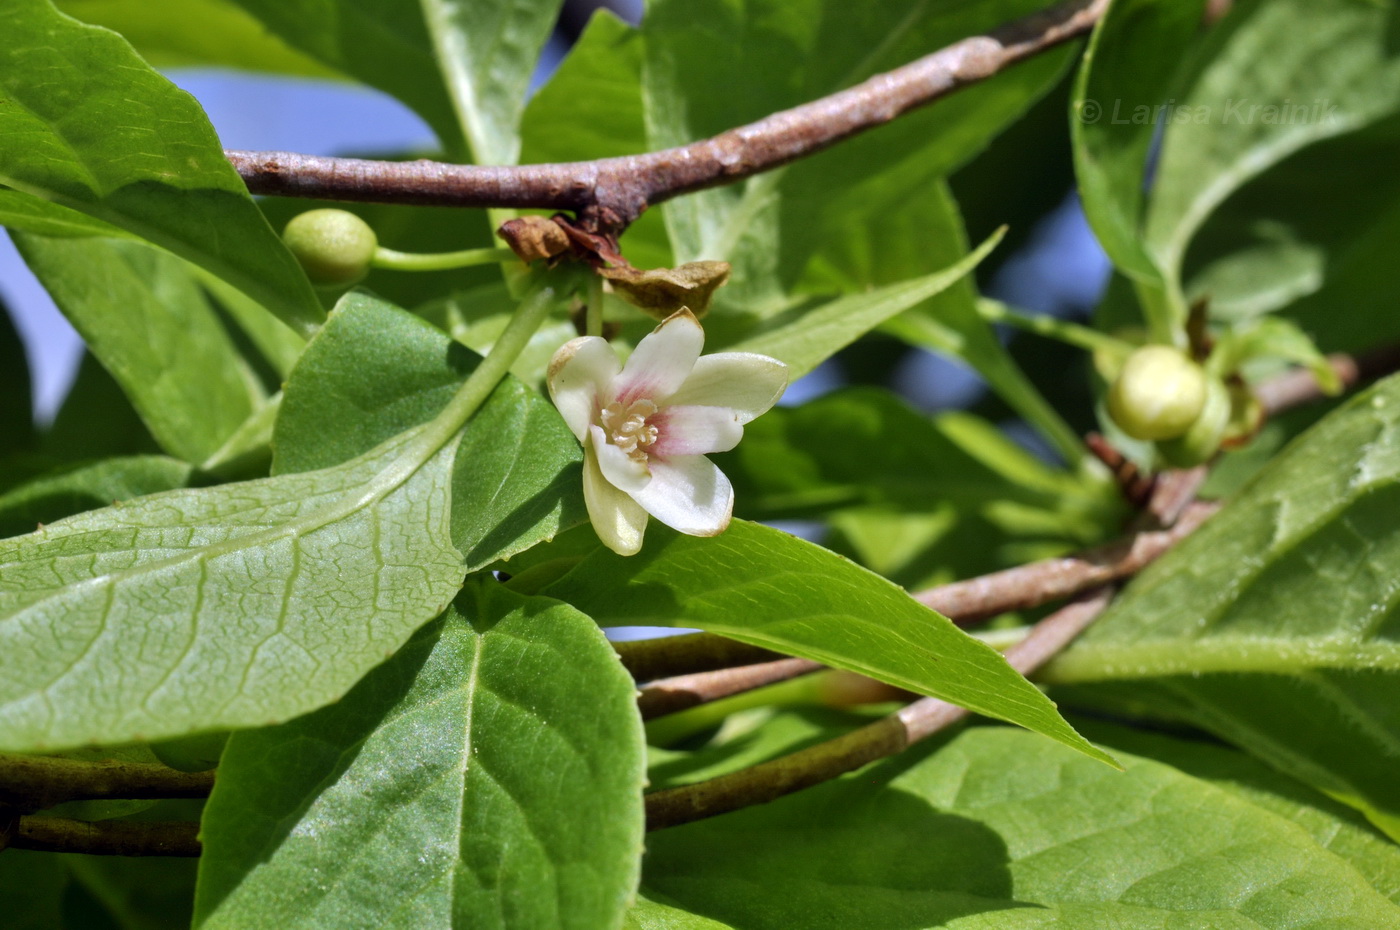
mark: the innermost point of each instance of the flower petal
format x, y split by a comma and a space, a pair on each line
695, 430
579, 374
688, 493
746, 382
617, 466
618, 520
662, 360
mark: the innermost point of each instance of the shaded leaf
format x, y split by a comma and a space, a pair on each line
85, 123
1325, 68
461, 784
143, 315
996, 829
72, 489
764, 587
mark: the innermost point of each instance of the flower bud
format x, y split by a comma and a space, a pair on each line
333, 246
1158, 394
1202, 440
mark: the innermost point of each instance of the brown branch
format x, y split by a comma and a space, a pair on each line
108, 837
846, 753
31, 783
608, 194
671, 695
1298, 387
666, 656
1037, 583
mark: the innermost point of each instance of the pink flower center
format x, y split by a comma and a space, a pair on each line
628, 429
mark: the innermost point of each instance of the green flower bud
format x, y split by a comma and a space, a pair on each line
333, 246
1158, 394
1199, 443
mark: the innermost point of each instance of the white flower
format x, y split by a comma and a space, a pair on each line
646, 426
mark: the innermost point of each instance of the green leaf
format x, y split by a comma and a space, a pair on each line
382, 43
996, 829
774, 54
461, 784
149, 893
592, 108
96, 421
487, 50
143, 315
375, 371
72, 489
650, 913
1131, 67
804, 337
226, 607
28, 213
1274, 625
1333, 826
921, 500
764, 587
1310, 238
85, 123
1327, 67
195, 33
31, 885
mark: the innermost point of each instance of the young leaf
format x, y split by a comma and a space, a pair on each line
1131, 67
592, 108
805, 337
1310, 238
234, 606
1325, 67
143, 315
85, 123
487, 50
463, 783
1274, 625
375, 371
764, 587
997, 829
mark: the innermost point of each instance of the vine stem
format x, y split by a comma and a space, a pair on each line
609, 194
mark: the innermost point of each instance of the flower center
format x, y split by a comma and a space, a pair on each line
627, 427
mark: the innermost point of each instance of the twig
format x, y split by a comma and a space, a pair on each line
1298, 387
32, 783
886, 737
1037, 583
608, 194
653, 659
108, 837
671, 695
